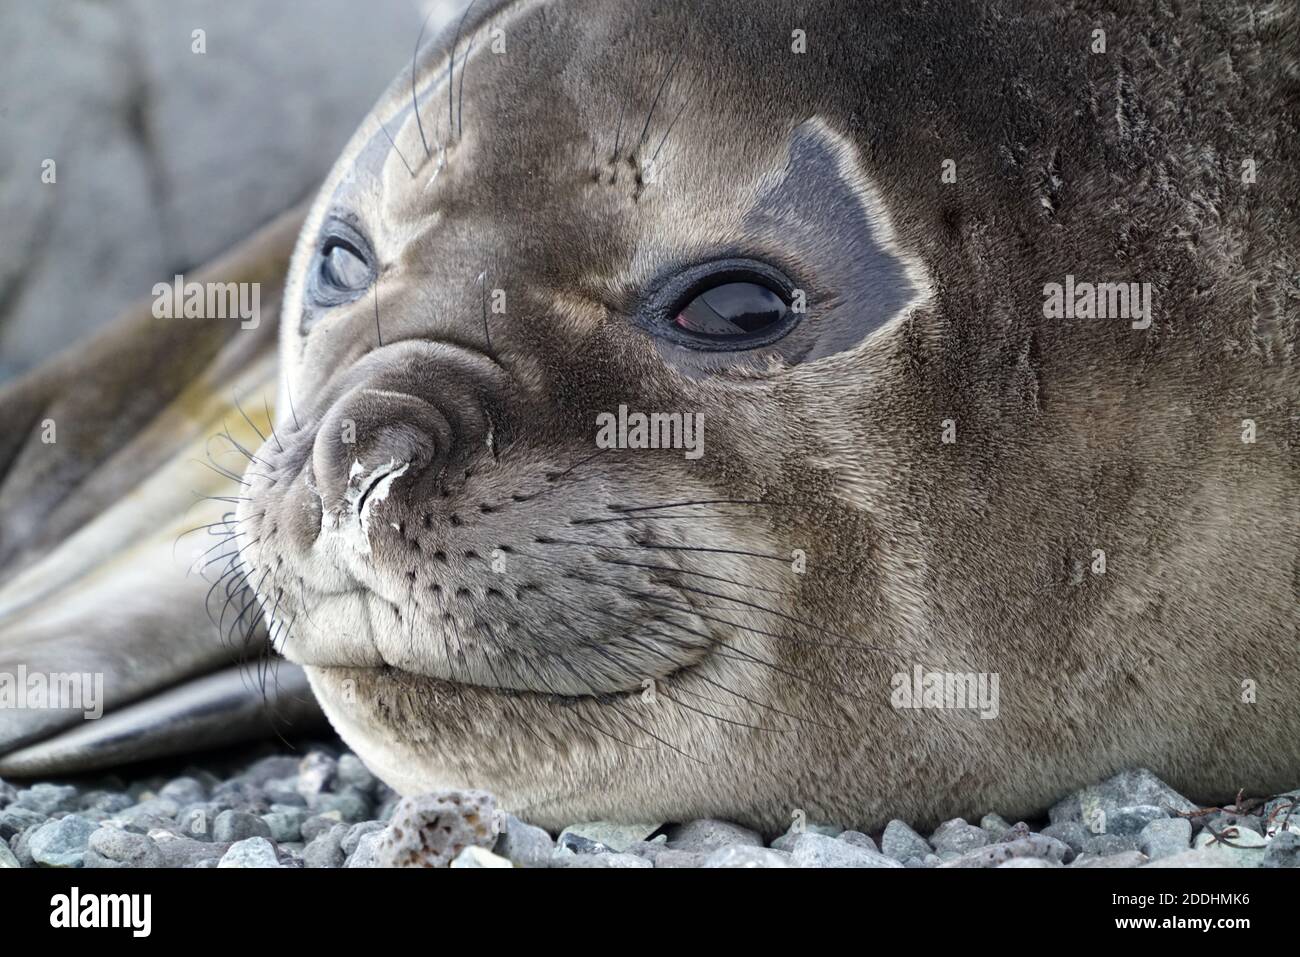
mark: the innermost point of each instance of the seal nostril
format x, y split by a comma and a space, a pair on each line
367, 438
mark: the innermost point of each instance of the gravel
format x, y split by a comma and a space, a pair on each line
902, 843
324, 809
253, 852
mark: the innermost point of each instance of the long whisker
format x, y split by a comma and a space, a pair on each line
663, 83
415, 100
451, 66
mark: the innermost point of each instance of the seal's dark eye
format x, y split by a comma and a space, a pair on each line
732, 309
725, 305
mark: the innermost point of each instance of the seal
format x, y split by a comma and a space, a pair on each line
835, 236
681, 413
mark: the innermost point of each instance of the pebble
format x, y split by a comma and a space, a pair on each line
267, 769
611, 859
7, 858
818, 850
1028, 862
352, 804
475, 856
661, 855
110, 802
1127, 789
787, 840
1016, 832
238, 795
1206, 852
1069, 832
61, 843
284, 791
995, 825
708, 834
46, 799
316, 774
616, 837
524, 844
858, 839
1132, 820
1103, 844
1048, 849
901, 842
351, 771
14, 820
352, 837
743, 855
578, 844
19, 845
198, 821
430, 830
368, 852
318, 824
183, 791
1122, 859
326, 849
1282, 851
180, 851
234, 826
285, 822
114, 847
1165, 837
958, 837
251, 852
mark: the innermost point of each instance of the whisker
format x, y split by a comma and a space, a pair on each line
487, 333
663, 83
667, 744
460, 94
683, 571
760, 704
393, 143
704, 501
247, 419
415, 101
266, 406
451, 65
288, 392
715, 717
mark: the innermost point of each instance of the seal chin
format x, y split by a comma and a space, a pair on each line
405, 770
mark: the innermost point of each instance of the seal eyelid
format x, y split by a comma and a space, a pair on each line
344, 267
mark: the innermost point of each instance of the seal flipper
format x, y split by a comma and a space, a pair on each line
215, 710
97, 611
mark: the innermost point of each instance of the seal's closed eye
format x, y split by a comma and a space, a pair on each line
344, 267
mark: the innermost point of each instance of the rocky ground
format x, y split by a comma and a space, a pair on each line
325, 809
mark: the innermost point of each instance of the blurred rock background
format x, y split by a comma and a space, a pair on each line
164, 156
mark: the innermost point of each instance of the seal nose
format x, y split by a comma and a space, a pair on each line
370, 439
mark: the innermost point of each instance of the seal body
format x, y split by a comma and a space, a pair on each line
930, 471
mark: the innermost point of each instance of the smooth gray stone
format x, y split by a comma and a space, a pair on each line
252, 852
61, 843
743, 855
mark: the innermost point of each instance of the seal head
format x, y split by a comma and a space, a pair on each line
863, 447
